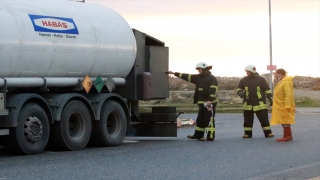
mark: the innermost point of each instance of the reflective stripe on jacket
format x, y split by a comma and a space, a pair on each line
255, 89
206, 86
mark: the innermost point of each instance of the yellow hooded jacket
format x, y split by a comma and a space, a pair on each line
283, 108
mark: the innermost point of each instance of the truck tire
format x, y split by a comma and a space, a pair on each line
110, 130
32, 133
73, 131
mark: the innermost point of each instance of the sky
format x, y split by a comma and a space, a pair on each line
230, 34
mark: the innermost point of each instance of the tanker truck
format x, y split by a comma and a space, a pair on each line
72, 74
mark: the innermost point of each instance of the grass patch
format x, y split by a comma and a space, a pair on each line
307, 102
193, 108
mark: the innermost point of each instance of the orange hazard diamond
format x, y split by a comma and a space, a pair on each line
87, 84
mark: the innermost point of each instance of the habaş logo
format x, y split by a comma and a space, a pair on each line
53, 24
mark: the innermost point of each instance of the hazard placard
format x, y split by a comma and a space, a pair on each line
271, 67
99, 84
87, 84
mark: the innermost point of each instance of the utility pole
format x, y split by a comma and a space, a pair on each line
270, 42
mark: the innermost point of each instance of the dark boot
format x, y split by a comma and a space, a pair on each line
196, 135
247, 134
287, 135
192, 137
267, 133
208, 139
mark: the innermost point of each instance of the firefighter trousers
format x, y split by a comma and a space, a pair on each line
203, 121
262, 115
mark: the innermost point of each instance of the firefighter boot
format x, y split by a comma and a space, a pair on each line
209, 137
287, 135
247, 134
196, 135
192, 137
267, 132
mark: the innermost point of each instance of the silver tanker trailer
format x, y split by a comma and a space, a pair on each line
73, 73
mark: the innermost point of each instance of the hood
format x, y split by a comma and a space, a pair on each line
287, 78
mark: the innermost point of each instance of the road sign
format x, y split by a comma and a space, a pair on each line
271, 67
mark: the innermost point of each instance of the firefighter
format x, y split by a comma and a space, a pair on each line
283, 109
205, 96
253, 89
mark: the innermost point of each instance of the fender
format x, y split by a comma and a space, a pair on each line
16, 101
97, 100
57, 102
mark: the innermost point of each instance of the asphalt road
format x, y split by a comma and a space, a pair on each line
228, 157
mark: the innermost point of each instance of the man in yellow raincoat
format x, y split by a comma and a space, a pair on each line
283, 109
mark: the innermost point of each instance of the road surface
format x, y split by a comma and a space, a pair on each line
228, 157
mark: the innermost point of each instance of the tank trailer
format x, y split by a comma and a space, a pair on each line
74, 75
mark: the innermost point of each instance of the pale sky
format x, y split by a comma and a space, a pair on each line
230, 34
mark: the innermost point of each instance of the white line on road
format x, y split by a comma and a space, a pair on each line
267, 176
129, 141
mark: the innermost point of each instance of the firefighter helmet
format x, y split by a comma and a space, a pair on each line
203, 65
251, 68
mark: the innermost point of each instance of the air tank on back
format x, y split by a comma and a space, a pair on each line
60, 38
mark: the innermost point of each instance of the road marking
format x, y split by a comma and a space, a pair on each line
267, 176
129, 141
315, 178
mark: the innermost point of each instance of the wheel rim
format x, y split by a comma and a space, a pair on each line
76, 126
113, 124
33, 129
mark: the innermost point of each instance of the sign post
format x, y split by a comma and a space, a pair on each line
270, 38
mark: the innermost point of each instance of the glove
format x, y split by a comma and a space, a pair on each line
240, 93
209, 107
271, 102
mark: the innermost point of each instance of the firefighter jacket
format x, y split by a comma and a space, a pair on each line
206, 86
254, 89
283, 108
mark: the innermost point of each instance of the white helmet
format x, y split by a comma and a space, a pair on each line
203, 65
251, 68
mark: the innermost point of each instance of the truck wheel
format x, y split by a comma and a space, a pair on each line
110, 130
32, 133
73, 131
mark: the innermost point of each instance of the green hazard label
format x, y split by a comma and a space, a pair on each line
98, 84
